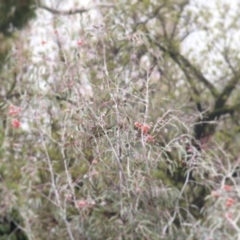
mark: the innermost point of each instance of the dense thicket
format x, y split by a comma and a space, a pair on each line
112, 127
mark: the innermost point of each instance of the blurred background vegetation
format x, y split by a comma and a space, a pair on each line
119, 120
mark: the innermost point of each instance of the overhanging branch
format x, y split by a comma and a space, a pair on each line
74, 11
204, 127
185, 65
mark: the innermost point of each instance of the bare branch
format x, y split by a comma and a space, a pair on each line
178, 16
76, 10
185, 65
223, 97
204, 127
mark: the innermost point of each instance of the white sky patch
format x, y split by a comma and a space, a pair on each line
207, 45
44, 33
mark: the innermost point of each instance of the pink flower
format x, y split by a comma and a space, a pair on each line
81, 203
230, 202
80, 42
16, 123
143, 127
43, 42
14, 110
150, 139
227, 188
215, 194
137, 125
85, 203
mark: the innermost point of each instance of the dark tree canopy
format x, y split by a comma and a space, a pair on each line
15, 14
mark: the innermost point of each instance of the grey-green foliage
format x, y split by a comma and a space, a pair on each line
82, 167
14, 15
